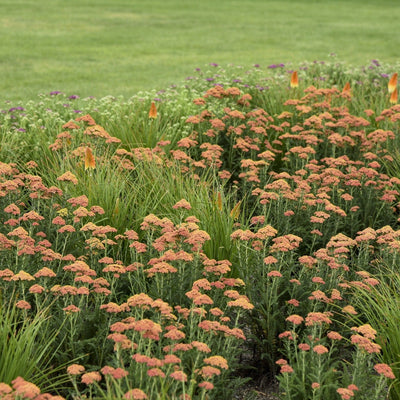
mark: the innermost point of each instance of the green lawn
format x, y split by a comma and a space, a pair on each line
118, 47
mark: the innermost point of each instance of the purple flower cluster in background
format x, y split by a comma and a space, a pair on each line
273, 66
57, 92
16, 109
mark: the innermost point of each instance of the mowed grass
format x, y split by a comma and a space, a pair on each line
119, 47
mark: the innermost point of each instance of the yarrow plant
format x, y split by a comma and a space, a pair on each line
167, 237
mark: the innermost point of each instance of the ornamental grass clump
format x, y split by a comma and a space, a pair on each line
379, 306
25, 345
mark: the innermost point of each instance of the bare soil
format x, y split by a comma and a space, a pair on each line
252, 391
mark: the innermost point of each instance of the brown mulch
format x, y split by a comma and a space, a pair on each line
251, 391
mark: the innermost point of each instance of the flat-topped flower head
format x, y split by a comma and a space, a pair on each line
175, 334
216, 361
81, 201
116, 373
71, 125
179, 376
353, 387
345, 393
320, 349
270, 260
22, 304
384, 369
141, 299
200, 346
365, 344
68, 177
275, 274
91, 377
295, 319
36, 289
171, 359
206, 385
86, 118
349, 310
366, 330
148, 328
317, 318
293, 302
20, 232
24, 389
315, 385
45, 272
154, 372
22, 276
75, 369
5, 389
71, 309
334, 335
135, 394
209, 371
241, 302
12, 209
182, 204
304, 346
31, 216
286, 369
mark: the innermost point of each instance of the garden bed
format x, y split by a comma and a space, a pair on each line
156, 246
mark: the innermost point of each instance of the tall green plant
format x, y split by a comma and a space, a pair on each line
25, 343
380, 306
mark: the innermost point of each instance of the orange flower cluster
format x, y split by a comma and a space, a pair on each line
22, 389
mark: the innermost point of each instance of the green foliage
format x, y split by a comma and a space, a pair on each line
25, 343
248, 211
380, 307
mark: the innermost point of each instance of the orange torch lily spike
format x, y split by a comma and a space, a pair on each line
346, 88
347, 91
392, 85
393, 97
90, 162
153, 110
294, 81
235, 212
219, 201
